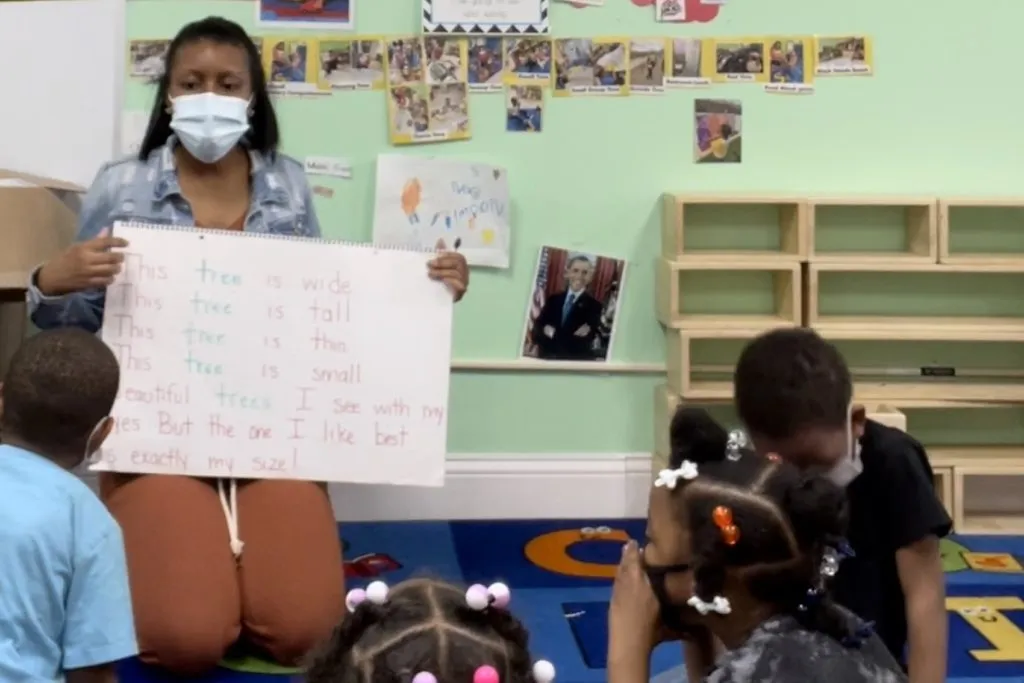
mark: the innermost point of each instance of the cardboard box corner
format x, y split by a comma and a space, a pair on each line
38, 219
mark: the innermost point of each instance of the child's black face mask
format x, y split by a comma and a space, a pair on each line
672, 614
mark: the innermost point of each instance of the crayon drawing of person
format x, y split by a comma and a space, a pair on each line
411, 194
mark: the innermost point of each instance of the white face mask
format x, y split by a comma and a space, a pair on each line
209, 125
96, 455
850, 465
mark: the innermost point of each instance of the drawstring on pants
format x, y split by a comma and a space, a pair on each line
229, 503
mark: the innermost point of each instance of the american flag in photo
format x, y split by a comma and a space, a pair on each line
537, 303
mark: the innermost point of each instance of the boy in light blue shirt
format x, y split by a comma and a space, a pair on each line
65, 607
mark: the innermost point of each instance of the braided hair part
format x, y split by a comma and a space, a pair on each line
424, 625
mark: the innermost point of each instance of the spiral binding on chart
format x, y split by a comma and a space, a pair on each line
202, 232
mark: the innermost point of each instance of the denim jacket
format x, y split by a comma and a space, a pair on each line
148, 191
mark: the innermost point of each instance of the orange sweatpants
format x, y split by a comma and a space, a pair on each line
192, 599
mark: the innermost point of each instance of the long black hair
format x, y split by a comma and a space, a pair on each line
786, 521
263, 135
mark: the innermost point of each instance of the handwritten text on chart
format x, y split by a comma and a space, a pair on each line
237, 399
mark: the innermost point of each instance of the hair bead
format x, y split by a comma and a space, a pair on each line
485, 674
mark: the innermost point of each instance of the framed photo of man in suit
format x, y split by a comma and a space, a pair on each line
572, 310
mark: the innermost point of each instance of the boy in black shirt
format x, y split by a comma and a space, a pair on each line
793, 393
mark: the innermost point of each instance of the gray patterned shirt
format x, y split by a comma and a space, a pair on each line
780, 650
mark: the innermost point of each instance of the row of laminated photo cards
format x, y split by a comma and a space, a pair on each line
574, 66
428, 79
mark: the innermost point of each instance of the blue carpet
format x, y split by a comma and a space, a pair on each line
560, 573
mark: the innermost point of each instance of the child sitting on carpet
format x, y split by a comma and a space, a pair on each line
427, 631
743, 544
65, 608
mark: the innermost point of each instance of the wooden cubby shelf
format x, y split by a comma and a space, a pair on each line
766, 229
704, 382
941, 385
942, 478
988, 225
997, 510
903, 326
678, 281
834, 222
684, 378
921, 295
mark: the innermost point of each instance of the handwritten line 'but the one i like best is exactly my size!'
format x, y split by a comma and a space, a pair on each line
281, 403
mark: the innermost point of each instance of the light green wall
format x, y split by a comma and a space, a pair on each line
936, 120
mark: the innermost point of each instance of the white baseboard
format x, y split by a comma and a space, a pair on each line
512, 486
507, 486
551, 486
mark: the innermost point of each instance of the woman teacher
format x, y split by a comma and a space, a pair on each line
209, 159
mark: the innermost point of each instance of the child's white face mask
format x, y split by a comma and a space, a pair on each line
850, 465
96, 455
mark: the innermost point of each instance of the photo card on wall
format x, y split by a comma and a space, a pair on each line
292, 66
485, 66
327, 15
428, 96
790, 65
591, 66
648, 58
445, 58
352, 64
146, 58
739, 60
717, 131
845, 56
688, 67
571, 314
524, 109
527, 60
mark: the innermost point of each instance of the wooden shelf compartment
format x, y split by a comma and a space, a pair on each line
769, 229
916, 368
986, 488
981, 231
973, 302
976, 456
683, 378
700, 364
898, 229
681, 285
942, 478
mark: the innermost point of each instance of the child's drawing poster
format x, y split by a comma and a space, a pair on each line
421, 200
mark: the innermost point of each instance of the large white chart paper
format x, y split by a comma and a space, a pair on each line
261, 357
